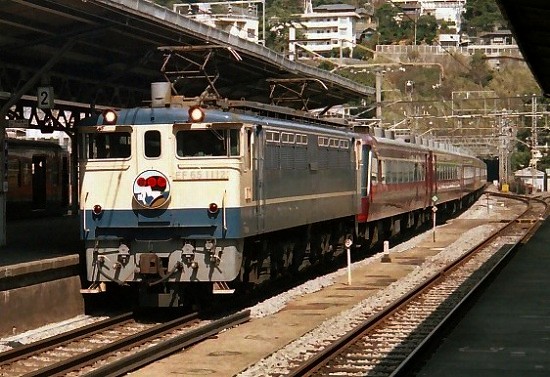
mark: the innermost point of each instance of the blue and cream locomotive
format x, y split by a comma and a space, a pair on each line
179, 194
175, 197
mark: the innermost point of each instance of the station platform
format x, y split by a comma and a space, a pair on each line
507, 331
34, 239
40, 273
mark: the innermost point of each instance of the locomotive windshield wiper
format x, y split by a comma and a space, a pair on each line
217, 134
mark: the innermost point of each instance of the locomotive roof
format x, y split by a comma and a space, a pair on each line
144, 116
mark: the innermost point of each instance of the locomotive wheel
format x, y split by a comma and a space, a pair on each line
277, 252
253, 259
363, 240
298, 250
315, 249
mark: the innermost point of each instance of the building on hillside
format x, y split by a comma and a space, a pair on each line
449, 40
239, 18
497, 38
449, 11
327, 27
409, 9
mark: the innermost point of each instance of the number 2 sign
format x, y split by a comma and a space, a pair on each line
45, 97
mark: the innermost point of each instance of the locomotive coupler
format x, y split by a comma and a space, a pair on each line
150, 264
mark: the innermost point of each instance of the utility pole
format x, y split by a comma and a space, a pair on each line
505, 140
535, 154
378, 74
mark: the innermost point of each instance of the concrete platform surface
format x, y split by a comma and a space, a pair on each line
39, 273
507, 332
40, 238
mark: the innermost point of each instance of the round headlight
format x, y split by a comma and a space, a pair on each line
109, 117
196, 114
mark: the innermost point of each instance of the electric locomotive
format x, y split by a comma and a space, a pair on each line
175, 197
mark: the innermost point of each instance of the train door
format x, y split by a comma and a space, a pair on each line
429, 176
149, 151
38, 182
257, 149
363, 160
436, 178
368, 167
65, 184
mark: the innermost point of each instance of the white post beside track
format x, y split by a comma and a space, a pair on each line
348, 244
434, 211
386, 256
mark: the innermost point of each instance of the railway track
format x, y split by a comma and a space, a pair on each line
111, 347
386, 343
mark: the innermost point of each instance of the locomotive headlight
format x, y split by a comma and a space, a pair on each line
213, 208
97, 210
196, 114
109, 117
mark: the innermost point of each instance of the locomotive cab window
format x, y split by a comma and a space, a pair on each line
106, 145
208, 142
152, 143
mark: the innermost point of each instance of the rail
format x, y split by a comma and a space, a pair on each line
430, 300
123, 337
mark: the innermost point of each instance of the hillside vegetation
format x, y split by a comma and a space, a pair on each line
439, 88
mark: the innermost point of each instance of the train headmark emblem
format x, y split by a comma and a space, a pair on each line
151, 189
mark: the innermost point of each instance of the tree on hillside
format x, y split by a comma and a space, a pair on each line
479, 72
279, 15
482, 15
388, 28
513, 79
426, 29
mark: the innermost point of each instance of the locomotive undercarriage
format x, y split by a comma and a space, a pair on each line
160, 267
283, 253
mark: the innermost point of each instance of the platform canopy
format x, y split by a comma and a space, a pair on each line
529, 24
109, 52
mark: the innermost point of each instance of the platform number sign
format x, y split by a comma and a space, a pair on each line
45, 97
